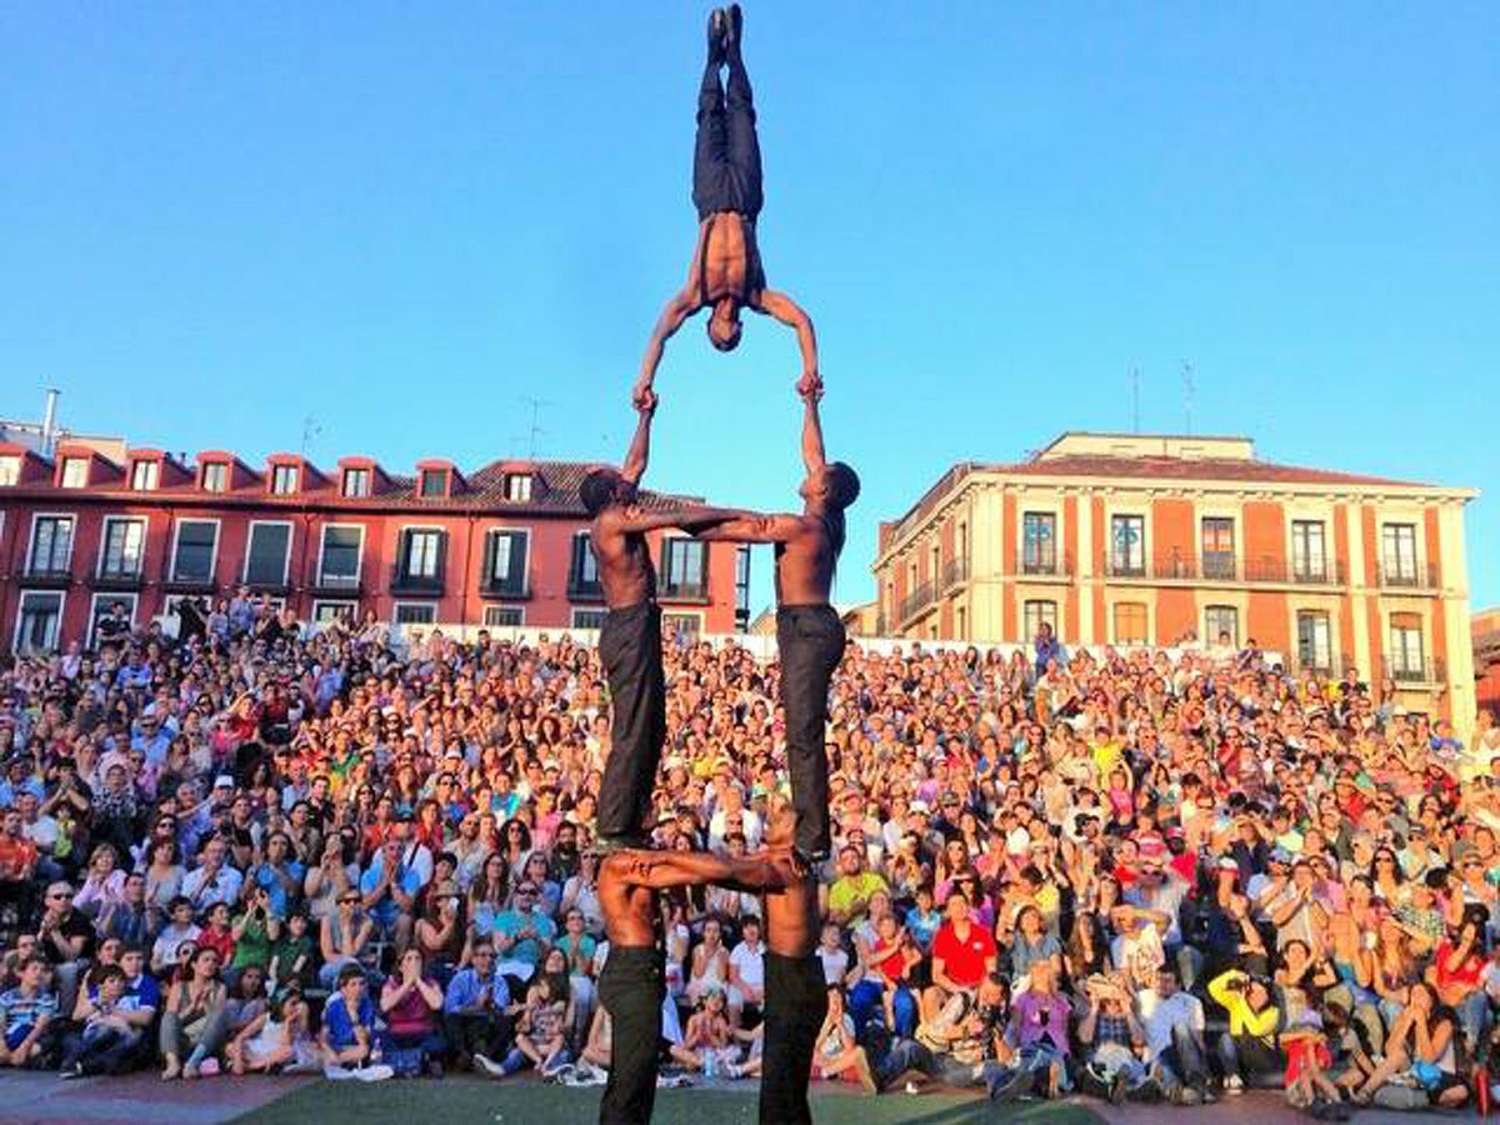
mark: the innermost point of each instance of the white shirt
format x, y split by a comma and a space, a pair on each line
204, 893
1160, 1018
750, 962
835, 964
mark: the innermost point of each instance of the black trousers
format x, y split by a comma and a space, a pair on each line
631, 988
811, 642
796, 1002
630, 646
474, 1033
726, 157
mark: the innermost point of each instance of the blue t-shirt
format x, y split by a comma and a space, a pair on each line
409, 879
339, 1024
266, 877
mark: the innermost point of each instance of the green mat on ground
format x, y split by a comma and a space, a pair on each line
455, 1101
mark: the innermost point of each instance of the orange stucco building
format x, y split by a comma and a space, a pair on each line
1158, 539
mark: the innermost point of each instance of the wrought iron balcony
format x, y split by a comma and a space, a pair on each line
1409, 670
955, 571
1406, 575
916, 601
1045, 564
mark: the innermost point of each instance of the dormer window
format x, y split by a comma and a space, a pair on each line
215, 477
10, 469
356, 483
144, 475
433, 483
284, 479
75, 472
518, 487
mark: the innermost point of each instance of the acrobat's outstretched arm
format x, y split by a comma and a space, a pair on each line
640, 444
783, 308
677, 310
814, 458
661, 870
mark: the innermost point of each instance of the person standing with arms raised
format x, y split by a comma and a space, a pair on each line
630, 640
809, 634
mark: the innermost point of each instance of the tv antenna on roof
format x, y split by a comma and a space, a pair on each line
1135, 400
535, 430
311, 429
1188, 388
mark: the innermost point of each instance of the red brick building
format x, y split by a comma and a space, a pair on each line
503, 546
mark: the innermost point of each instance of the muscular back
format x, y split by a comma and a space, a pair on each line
792, 923
626, 573
805, 564
629, 909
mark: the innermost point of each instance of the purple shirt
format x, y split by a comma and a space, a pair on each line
1042, 1019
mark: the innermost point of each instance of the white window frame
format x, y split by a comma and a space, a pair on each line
588, 556
488, 578
62, 477
109, 598
72, 537
1330, 629
696, 615
1391, 573
396, 608
664, 581
213, 554
151, 470
62, 612
10, 461
1210, 637
599, 610
369, 478
1326, 569
524, 492
338, 603
403, 540
1056, 621
359, 561
286, 563
145, 523
520, 609
276, 471
203, 476
1404, 672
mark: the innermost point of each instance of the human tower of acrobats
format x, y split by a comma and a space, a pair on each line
726, 276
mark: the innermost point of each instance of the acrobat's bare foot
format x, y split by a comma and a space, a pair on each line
718, 26
734, 36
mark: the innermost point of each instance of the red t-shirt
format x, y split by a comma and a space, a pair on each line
964, 960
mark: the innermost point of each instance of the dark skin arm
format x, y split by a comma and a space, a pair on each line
755, 527
661, 870
780, 307
640, 445
813, 455
634, 518
673, 316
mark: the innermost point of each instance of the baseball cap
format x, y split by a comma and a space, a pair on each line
223, 781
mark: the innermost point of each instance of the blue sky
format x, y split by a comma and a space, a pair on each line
405, 221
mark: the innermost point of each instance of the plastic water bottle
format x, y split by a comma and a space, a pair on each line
710, 1063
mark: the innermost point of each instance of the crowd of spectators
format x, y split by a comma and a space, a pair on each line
1148, 875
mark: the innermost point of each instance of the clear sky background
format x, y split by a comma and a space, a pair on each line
407, 221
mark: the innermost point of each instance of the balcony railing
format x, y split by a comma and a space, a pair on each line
42, 574
119, 579
695, 590
336, 584
1413, 671
511, 586
955, 571
405, 582
584, 590
1407, 576
1224, 568
1045, 565
916, 601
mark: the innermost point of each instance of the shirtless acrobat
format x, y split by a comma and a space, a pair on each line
726, 274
